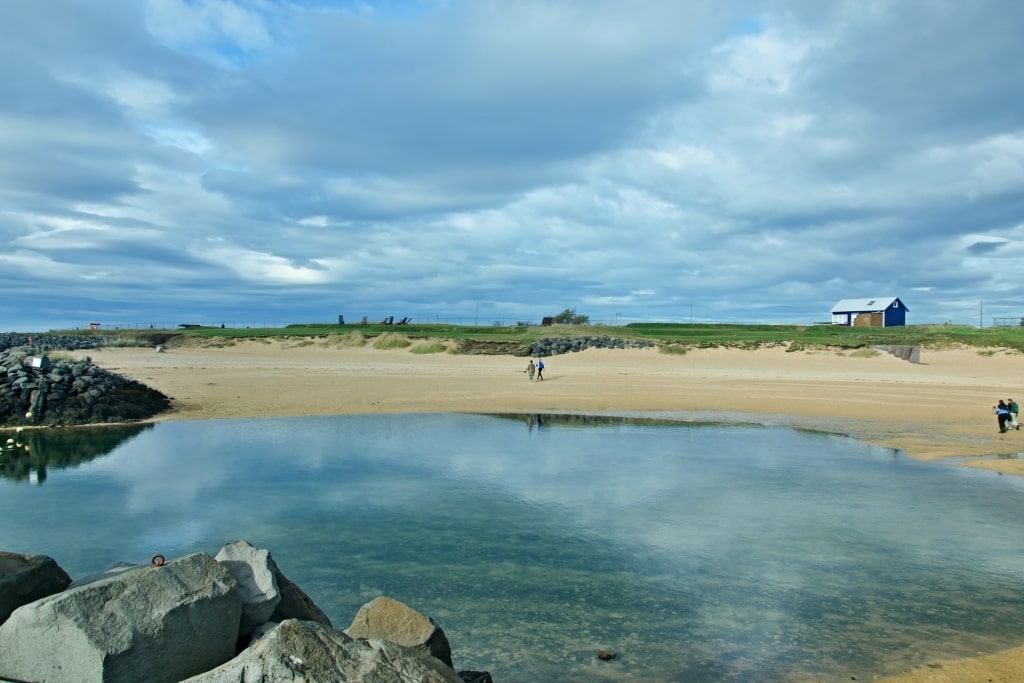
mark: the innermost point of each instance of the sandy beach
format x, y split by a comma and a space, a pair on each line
939, 408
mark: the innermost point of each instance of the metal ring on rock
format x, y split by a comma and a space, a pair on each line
157, 560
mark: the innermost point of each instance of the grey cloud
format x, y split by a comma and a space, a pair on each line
984, 248
760, 161
400, 99
918, 69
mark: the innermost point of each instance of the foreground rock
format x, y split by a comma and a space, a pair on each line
27, 578
186, 619
36, 391
386, 618
151, 624
305, 651
267, 594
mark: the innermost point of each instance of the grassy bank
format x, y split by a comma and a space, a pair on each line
684, 335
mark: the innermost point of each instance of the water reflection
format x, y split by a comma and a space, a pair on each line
591, 420
698, 552
27, 455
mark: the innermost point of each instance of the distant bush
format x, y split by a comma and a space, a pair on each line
674, 349
429, 347
569, 317
865, 353
391, 341
351, 340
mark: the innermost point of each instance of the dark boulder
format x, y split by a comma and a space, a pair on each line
67, 392
27, 578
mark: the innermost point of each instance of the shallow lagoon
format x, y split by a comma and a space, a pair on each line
698, 552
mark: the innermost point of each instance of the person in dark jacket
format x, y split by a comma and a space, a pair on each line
1002, 412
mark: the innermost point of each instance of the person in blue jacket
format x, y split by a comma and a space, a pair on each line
540, 370
1002, 412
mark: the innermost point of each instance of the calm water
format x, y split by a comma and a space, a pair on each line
697, 552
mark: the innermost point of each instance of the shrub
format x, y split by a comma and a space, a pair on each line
340, 341
429, 347
391, 341
675, 349
570, 317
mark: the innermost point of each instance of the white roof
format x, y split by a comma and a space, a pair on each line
861, 305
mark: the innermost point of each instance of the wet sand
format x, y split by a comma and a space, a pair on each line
939, 408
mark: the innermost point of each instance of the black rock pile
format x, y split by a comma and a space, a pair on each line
50, 342
552, 346
36, 391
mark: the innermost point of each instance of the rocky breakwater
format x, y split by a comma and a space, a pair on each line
553, 346
231, 618
50, 342
37, 391
549, 346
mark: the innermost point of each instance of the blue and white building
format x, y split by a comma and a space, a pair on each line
881, 311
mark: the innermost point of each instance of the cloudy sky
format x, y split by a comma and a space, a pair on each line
279, 161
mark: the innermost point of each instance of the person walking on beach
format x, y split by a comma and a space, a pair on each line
1012, 422
530, 369
1002, 415
540, 370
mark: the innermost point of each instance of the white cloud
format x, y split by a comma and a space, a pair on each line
225, 31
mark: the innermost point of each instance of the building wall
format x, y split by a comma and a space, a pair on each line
895, 315
869, 320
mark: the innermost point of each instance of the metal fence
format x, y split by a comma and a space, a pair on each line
475, 321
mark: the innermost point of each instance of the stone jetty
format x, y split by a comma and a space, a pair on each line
200, 619
38, 391
51, 342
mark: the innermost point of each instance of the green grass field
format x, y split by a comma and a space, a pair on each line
681, 336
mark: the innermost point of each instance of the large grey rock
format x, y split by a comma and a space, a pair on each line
255, 571
295, 604
307, 652
265, 587
386, 619
152, 624
109, 572
27, 578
